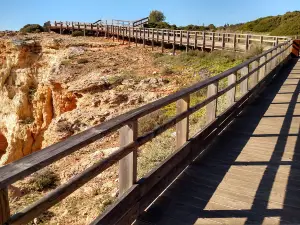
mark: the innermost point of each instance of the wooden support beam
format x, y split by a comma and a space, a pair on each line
84, 29
244, 83
113, 32
123, 35
261, 39
128, 165
168, 36
4, 206
211, 108
60, 29
182, 127
232, 92
262, 70
118, 33
157, 36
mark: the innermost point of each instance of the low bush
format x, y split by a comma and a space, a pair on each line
32, 28
43, 180
77, 33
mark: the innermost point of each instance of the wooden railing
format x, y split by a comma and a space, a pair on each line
135, 196
194, 39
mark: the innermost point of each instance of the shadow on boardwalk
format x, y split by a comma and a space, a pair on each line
252, 172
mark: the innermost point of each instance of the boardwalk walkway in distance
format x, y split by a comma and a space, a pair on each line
251, 173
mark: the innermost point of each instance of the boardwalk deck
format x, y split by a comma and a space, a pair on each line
251, 173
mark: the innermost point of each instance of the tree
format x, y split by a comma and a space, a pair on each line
211, 27
156, 16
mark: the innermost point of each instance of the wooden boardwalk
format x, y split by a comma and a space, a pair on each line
250, 174
176, 38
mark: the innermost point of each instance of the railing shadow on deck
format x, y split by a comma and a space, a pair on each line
186, 199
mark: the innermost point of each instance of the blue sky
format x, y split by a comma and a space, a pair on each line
16, 13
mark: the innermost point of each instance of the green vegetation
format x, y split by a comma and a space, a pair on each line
77, 33
43, 180
32, 28
156, 16
287, 24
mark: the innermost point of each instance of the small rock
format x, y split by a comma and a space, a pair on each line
154, 73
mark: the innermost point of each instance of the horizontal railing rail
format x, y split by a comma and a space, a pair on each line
135, 196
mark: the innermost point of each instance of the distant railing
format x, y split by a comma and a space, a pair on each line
194, 39
135, 196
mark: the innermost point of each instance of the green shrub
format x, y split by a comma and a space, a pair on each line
43, 180
77, 33
32, 28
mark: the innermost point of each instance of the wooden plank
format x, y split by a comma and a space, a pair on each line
211, 108
195, 40
223, 41
4, 206
128, 165
244, 84
182, 127
231, 94
136, 37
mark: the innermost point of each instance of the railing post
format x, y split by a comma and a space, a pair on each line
128, 165
144, 37
174, 42
244, 83
129, 36
123, 35
162, 41
254, 78
182, 127
118, 33
136, 37
234, 42
262, 70
152, 39
168, 36
223, 41
180, 38
211, 108
231, 93
213, 42
269, 66
261, 40
247, 42
187, 40
60, 30
84, 29
203, 44
4, 206
195, 40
